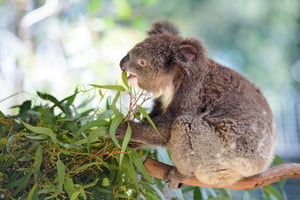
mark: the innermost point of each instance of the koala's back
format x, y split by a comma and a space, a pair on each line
227, 96
239, 112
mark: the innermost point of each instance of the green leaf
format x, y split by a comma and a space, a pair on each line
127, 171
16, 182
125, 143
69, 187
125, 80
148, 119
113, 127
36, 137
75, 195
106, 114
48, 97
22, 183
42, 131
226, 192
197, 193
91, 124
38, 158
31, 192
114, 104
65, 107
61, 173
70, 99
269, 189
47, 115
139, 165
110, 87
91, 184
158, 192
103, 190
85, 167
83, 194
25, 107
95, 135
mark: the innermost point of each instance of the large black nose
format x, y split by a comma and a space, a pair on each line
123, 62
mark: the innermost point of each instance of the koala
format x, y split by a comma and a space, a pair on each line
217, 125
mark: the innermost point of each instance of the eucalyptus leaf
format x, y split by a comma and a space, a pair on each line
38, 158
110, 87
125, 142
60, 173
91, 184
91, 124
139, 165
36, 137
113, 127
48, 97
85, 167
31, 192
22, 183
43, 131
125, 80
272, 191
142, 110
69, 187
75, 195
70, 99
197, 193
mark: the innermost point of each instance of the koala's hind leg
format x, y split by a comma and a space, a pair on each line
191, 143
196, 149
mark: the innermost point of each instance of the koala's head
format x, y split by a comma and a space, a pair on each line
154, 63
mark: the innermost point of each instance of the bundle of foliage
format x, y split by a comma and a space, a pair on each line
56, 150
53, 151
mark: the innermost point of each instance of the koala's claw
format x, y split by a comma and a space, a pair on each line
173, 177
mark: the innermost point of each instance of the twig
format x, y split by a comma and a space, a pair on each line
274, 174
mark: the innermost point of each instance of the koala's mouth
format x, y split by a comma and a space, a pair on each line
132, 79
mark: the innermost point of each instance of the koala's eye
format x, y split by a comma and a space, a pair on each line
141, 62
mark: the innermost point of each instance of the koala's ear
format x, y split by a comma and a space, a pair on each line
188, 52
191, 50
163, 27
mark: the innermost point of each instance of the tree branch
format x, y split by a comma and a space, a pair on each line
274, 174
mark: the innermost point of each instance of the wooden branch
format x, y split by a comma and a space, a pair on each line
274, 174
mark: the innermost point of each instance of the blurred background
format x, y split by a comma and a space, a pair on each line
55, 46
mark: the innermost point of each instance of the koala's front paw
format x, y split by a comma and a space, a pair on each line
173, 177
121, 130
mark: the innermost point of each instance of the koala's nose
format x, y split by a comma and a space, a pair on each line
124, 62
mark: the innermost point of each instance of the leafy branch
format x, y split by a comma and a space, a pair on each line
60, 150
